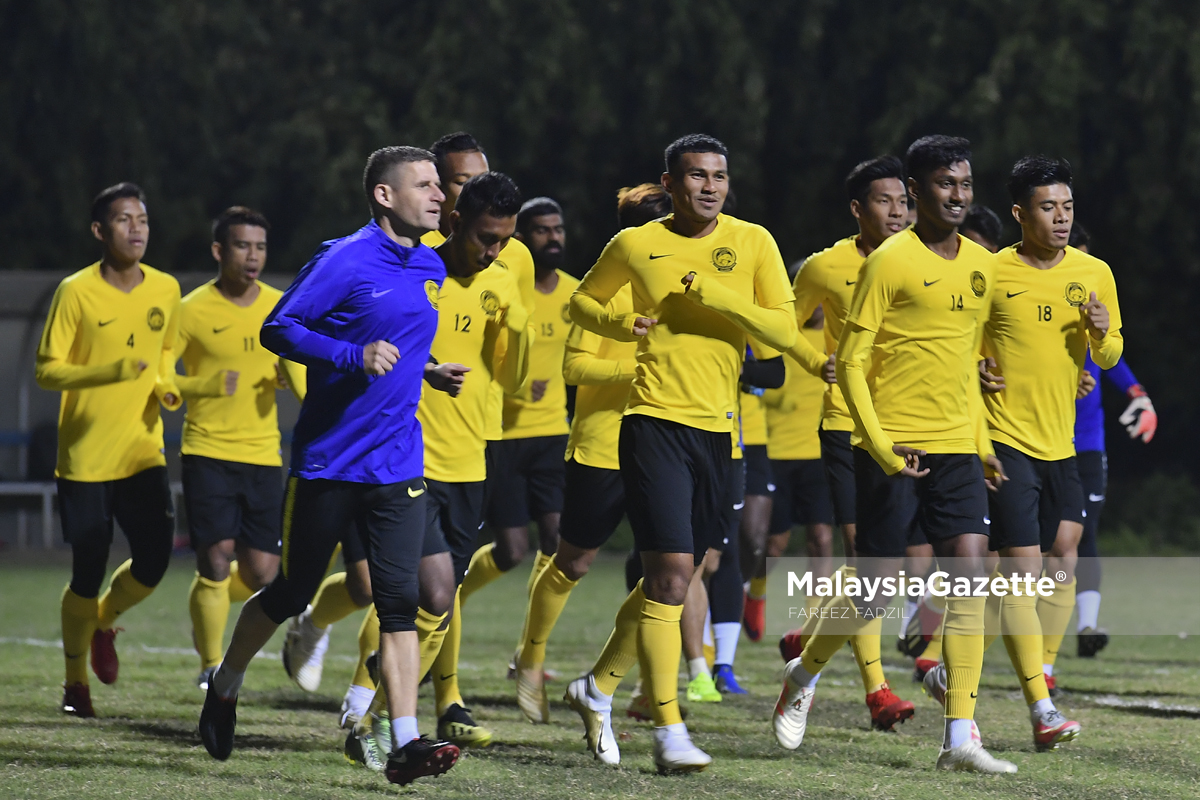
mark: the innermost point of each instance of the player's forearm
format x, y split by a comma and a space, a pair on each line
296, 376
581, 368
288, 338
774, 327
195, 387
768, 373
592, 315
983, 434
59, 376
513, 371
1106, 352
804, 353
854, 350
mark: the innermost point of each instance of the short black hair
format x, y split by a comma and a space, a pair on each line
236, 215
692, 143
1079, 236
457, 142
380, 164
537, 207
934, 152
119, 191
646, 202
858, 182
985, 222
493, 193
1034, 171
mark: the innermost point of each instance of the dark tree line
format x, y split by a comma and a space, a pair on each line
276, 104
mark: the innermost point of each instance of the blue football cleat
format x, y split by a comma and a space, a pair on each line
726, 682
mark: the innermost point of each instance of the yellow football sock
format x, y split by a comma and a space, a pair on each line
831, 634
368, 642
540, 560
933, 650
758, 587
810, 623
239, 592
620, 653
991, 617
866, 653
659, 644
1055, 613
430, 635
1023, 640
935, 601
125, 592
445, 665
332, 601
962, 653
208, 603
480, 572
546, 602
79, 615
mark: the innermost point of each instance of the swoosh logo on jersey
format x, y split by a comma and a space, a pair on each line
1096, 498
110, 322
931, 283
660, 255
1011, 295
851, 283
411, 493
377, 293
222, 330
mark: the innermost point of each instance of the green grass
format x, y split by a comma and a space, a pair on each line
144, 742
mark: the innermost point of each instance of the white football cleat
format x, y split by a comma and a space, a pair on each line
589, 703
791, 712
531, 695
304, 651
971, 757
674, 751
935, 683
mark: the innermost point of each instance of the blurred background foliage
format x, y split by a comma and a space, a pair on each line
276, 104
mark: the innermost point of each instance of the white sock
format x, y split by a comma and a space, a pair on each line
958, 732
803, 677
910, 611
599, 699
357, 700
671, 731
1039, 707
697, 666
1088, 605
708, 634
1048, 669
227, 683
404, 730
726, 634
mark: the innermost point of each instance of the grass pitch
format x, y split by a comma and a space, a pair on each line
1138, 703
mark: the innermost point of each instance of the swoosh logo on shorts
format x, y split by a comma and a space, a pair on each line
411, 493
739, 506
1096, 498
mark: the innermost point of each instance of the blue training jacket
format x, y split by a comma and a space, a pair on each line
1089, 412
354, 291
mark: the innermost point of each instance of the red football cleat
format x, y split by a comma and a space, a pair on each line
104, 655
754, 617
887, 709
922, 666
791, 645
77, 700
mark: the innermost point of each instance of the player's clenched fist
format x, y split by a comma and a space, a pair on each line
1095, 316
379, 358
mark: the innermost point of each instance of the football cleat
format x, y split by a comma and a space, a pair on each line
362, 749
77, 700
420, 758
205, 678
591, 706
217, 722
531, 695
457, 726
726, 682
887, 709
304, 649
754, 617
935, 683
791, 711
701, 689
791, 645
922, 666
971, 757
1052, 729
104, 655
674, 753
1091, 641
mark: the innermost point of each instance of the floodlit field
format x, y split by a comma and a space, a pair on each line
1139, 704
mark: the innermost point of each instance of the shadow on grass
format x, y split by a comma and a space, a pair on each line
292, 702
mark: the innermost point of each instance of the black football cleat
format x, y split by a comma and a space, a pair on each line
420, 758
217, 722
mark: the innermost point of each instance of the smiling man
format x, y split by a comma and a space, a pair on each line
702, 283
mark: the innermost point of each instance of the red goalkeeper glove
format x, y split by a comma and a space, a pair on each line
1139, 417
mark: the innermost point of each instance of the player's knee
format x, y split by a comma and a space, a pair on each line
256, 576
150, 564
510, 550
437, 599
777, 544
669, 588
213, 563
819, 540
397, 607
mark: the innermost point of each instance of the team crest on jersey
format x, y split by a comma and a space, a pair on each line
489, 302
724, 259
566, 313
1076, 294
978, 283
431, 291
155, 318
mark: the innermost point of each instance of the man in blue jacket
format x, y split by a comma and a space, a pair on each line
361, 315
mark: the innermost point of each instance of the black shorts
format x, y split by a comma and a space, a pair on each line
527, 480
838, 457
676, 481
390, 520
1036, 497
731, 509
801, 495
593, 505
232, 500
454, 515
759, 478
896, 511
1093, 479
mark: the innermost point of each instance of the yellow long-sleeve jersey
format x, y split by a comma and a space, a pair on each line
216, 336
109, 426
551, 320
1036, 334
794, 410
688, 364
